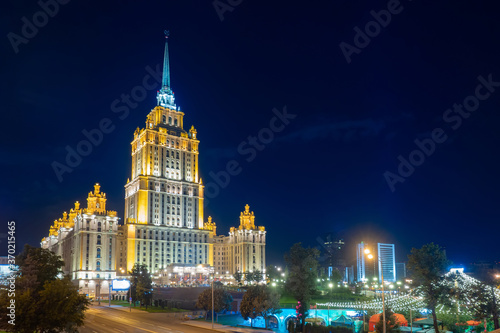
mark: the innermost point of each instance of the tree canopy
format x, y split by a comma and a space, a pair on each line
141, 284
301, 280
260, 300
428, 266
43, 302
253, 276
222, 300
238, 276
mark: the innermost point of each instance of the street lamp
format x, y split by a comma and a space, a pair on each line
370, 256
212, 300
331, 286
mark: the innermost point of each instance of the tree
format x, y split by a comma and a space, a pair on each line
238, 276
336, 277
249, 307
270, 304
141, 284
301, 279
392, 325
43, 302
483, 302
254, 276
428, 266
260, 301
449, 317
37, 266
222, 300
64, 307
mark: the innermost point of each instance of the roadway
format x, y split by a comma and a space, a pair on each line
101, 319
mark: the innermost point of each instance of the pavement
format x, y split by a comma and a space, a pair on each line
118, 307
192, 323
224, 328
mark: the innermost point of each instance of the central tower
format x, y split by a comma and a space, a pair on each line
164, 197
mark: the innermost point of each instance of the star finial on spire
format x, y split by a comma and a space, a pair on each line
165, 96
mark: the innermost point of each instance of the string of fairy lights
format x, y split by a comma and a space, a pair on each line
414, 300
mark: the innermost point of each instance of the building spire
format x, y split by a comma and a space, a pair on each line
166, 64
165, 96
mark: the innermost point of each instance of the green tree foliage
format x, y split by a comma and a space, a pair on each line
222, 300
450, 319
141, 284
301, 279
43, 302
260, 301
428, 266
336, 277
64, 307
238, 276
391, 324
37, 266
254, 276
483, 302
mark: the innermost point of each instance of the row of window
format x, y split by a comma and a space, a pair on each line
186, 237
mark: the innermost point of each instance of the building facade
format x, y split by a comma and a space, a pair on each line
243, 250
400, 271
163, 222
163, 226
86, 241
332, 255
386, 262
360, 263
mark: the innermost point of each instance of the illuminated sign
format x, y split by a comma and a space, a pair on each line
121, 285
456, 270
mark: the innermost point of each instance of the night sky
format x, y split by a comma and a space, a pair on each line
323, 171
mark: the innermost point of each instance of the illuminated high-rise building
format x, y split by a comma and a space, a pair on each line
163, 225
164, 197
386, 262
360, 263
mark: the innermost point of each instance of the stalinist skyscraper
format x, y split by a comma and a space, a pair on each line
163, 222
163, 227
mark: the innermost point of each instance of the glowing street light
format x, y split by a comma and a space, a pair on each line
370, 256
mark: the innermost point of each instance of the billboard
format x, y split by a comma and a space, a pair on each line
120, 285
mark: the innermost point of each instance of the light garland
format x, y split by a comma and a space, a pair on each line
415, 300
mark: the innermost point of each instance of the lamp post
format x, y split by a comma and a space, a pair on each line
331, 286
370, 256
99, 286
212, 301
109, 292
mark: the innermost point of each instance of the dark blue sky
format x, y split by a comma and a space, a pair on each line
324, 172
